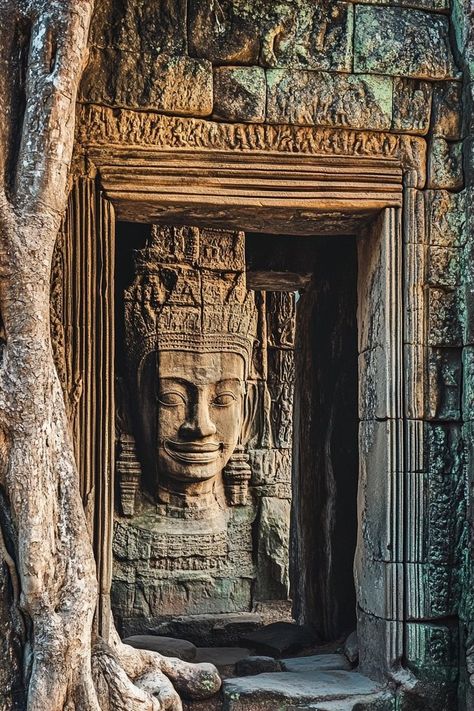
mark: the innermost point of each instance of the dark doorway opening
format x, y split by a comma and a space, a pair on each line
325, 450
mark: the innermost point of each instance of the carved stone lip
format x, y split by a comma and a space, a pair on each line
192, 452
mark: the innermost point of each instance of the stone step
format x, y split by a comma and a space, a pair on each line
292, 691
316, 663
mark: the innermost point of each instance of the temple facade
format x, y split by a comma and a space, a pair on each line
263, 324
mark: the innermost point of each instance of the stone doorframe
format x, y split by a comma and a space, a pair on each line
292, 180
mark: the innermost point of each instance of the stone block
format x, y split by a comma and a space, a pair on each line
445, 165
444, 318
257, 665
447, 110
402, 42
468, 383
273, 543
442, 448
435, 511
444, 266
300, 34
411, 106
280, 638
323, 99
445, 218
380, 645
379, 587
432, 591
292, 690
374, 385
173, 84
240, 94
270, 466
432, 650
221, 629
168, 646
316, 663
415, 384
140, 26
379, 479
444, 384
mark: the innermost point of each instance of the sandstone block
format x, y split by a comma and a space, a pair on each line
257, 665
444, 384
174, 84
280, 638
442, 449
468, 388
323, 99
268, 692
270, 466
432, 650
140, 26
169, 647
351, 647
223, 629
447, 110
240, 94
444, 318
444, 266
316, 663
411, 106
374, 384
273, 545
402, 42
445, 165
377, 491
445, 218
301, 34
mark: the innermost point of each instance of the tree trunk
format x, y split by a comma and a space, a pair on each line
48, 597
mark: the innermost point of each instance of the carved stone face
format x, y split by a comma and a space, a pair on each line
200, 413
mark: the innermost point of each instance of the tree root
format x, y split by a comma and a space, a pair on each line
127, 679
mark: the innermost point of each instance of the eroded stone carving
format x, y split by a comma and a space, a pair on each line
190, 326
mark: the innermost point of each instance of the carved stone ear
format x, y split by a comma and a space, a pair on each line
250, 411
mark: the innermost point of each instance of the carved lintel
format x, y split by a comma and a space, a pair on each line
129, 473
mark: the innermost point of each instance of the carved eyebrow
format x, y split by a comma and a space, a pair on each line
181, 381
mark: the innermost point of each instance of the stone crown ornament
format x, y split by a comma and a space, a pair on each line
189, 294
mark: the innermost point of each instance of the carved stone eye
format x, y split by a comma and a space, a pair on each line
224, 399
171, 398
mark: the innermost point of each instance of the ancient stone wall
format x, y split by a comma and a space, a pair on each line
387, 80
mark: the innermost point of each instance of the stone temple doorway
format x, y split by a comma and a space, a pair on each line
327, 188
286, 547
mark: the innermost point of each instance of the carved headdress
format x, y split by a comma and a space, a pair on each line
189, 293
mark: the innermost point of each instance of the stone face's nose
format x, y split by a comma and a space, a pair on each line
198, 424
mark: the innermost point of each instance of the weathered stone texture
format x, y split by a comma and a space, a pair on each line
298, 34
145, 80
445, 165
432, 651
447, 110
400, 42
322, 99
140, 26
411, 106
445, 218
273, 542
444, 318
444, 384
240, 93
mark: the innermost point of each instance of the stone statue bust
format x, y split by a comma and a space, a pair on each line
190, 328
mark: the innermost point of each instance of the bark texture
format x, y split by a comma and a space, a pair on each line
48, 588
